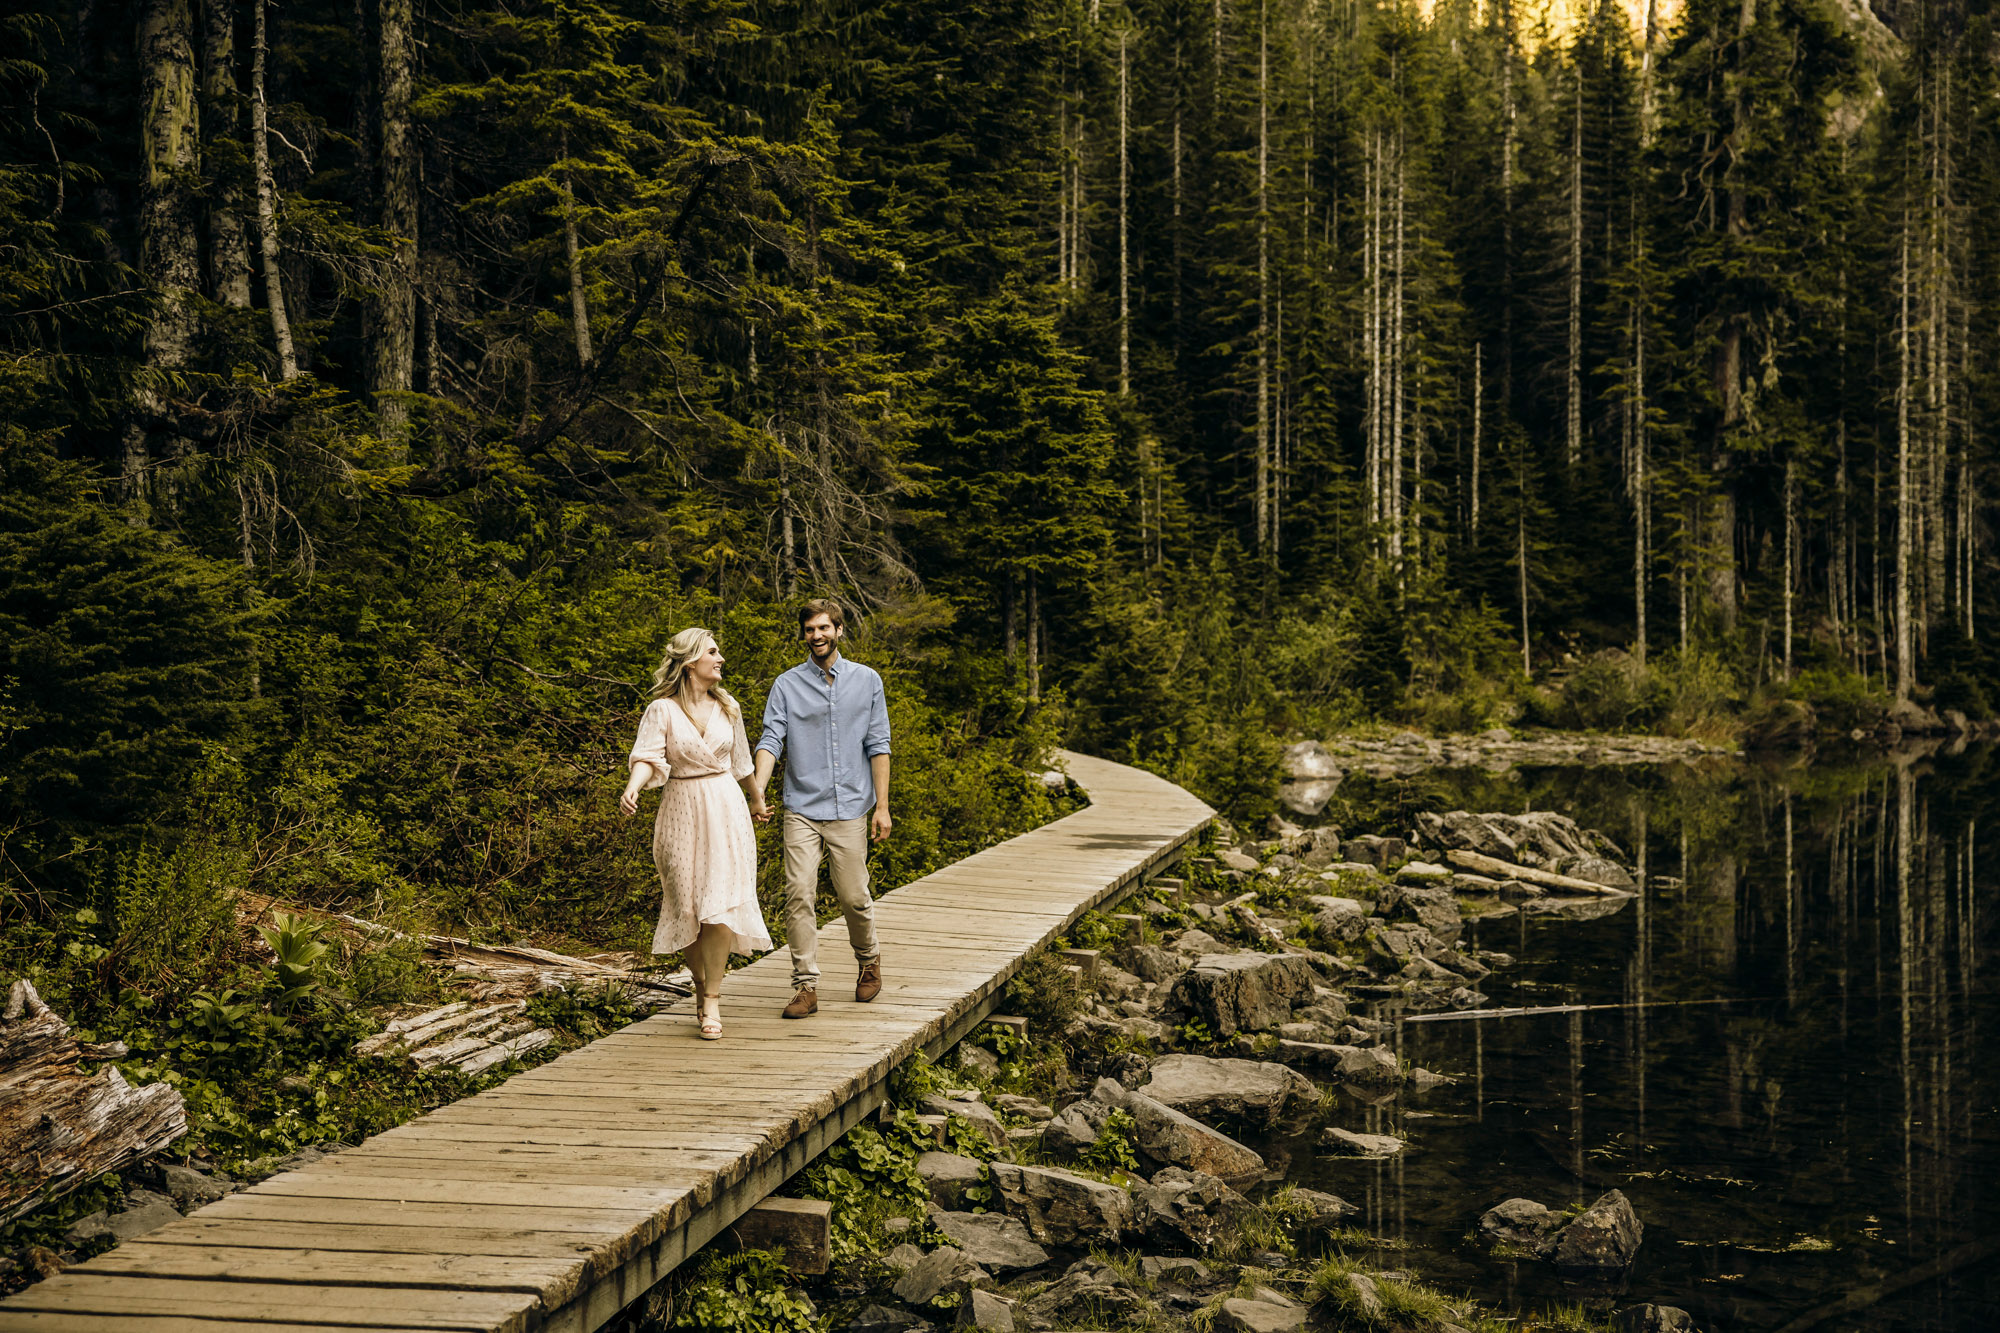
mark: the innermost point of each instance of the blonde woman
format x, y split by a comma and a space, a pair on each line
691, 741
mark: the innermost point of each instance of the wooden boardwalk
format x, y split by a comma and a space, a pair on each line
556, 1199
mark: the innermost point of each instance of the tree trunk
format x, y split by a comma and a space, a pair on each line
579, 308
1478, 401
1791, 545
267, 196
1642, 489
1124, 246
1573, 363
169, 239
1905, 509
393, 341
1521, 557
1261, 506
222, 123
1034, 643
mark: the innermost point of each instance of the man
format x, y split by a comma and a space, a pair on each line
827, 718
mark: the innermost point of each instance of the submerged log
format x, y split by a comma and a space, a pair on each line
1548, 879
59, 1127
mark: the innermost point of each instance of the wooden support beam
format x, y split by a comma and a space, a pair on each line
802, 1228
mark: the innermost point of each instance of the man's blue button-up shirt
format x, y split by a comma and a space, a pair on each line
826, 731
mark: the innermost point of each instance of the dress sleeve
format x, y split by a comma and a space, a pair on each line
651, 746
740, 765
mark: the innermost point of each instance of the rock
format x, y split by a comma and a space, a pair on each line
1423, 1080
1464, 997
1914, 719
1337, 920
1154, 1267
1435, 909
1350, 1144
1496, 736
1423, 969
1090, 1292
1247, 1091
904, 1257
1360, 1300
1174, 1138
984, 1310
948, 1175
881, 1319
1188, 1207
1523, 1224
978, 1059
1325, 1210
1653, 1319
1321, 849
189, 1188
1374, 850
88, 1230
1199, 944
1595, 869
1392, 947
145, 1212
1061, 1207
1234, 860
1308, 760
1956, 724
931, 1275
1075, 1128
976, 1113
1352, 1064
1243, 992
1605, 1239
1026, 1108
1423, 873
1151, 962
994, 1242
1241, 1316
1307, 798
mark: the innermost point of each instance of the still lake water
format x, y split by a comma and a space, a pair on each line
1797, 1093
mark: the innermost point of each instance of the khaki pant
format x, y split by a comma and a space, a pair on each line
846, 841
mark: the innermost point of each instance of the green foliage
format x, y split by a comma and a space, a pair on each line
1116, 1148
747, 1292
300, 954
1045, 993
582, 1013
869, 1174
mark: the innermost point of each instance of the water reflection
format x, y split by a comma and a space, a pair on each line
1780, 1063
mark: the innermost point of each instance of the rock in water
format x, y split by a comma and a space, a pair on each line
1307, 798
1351, 1144
1244, 992
1523, 1224
1241, 1316
1604, 1240
1061, 1207
992, 1241
1247, 1091
1435, 909
1595, 869
1308, 760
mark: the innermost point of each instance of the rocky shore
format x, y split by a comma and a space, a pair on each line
1096, 1171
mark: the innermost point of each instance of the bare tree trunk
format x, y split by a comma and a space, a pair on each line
1720, 535
1261, 508
222, 123
1521, 557
1791, 545
1505, 13
1034, 643
1397, 359
1177, 202
1478, 401
1905, 509
1062, 192
1124, 247
169, 244
393, 341
267, 196
1642, 489
1573, 364
1647, 115
579, 307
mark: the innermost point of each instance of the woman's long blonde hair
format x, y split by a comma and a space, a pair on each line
670, 681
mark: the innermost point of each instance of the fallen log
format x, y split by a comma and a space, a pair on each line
61, 1128
1548, 879
507, 971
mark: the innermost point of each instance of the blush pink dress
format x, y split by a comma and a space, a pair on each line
703, 843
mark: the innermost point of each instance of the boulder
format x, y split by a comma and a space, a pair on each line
1337, 920
948, 1175
984, 1310
1174, 1138
1243, 992
1196, 944
1151, 962
931, 1275
976, 1113
1392, 947
1061, 1207
904, 1257
993, 1241
1234, 860
1435, 909
1595, 869
1357, 1296
1316, 1209
1523, 1224
1423, 873
145, 1212
189, 1188
1090, 1292
1240, 1316
1244, 1091
1322, 848
1350, 1144
1181, 1207
1653, 1319
978, 1060
1025, 1108
1308, 760
1605, 1239
1372, 849
1350, 1064
882, 1319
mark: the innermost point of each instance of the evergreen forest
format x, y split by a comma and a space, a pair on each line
383, 384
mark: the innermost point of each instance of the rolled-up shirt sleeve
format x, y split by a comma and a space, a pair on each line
773, 738
651, 746
877, 740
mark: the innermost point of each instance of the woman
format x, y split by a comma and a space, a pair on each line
691, 740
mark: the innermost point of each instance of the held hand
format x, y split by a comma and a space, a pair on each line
881, 824
760, 810
628, 802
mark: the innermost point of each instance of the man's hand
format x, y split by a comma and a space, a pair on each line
881, 823
760, 810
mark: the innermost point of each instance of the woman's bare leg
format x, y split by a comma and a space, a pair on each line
709, 958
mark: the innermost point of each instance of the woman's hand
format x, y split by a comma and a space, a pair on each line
628, 802
760, 809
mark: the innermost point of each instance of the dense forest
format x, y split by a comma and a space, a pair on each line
384, 383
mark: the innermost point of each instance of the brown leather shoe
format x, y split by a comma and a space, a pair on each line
869, 984
805, 1003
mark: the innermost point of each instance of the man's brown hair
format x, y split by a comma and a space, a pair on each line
822, 606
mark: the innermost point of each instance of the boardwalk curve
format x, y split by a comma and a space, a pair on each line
558, 1198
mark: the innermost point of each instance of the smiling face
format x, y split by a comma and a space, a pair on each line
822, 637
706, 668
